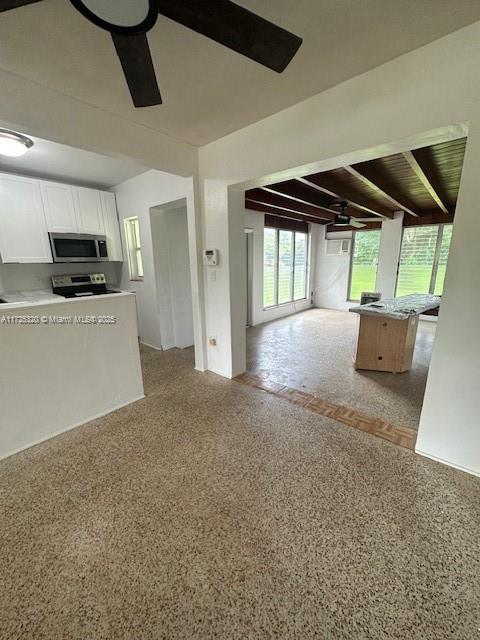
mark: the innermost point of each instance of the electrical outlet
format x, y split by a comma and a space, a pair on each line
212, 341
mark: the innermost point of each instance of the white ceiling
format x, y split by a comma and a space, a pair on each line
208, 90
63, 163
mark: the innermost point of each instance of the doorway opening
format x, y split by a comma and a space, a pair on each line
377, 228
169, 227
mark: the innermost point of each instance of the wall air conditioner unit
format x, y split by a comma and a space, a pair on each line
338, 247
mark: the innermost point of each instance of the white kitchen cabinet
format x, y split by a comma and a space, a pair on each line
23, 229
112, 228
89, 211
59, 207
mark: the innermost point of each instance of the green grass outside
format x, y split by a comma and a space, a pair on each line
364, 277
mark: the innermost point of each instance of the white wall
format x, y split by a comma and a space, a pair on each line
56, 376
412, 101
172, 272
450, 425
136, 197
255, 221
331, 274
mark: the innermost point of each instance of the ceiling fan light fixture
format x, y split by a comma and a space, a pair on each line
119, 16
13, 144
341, 219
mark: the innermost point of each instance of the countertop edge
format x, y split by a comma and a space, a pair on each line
11, 306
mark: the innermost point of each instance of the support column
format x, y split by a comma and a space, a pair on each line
390, 242
223, 218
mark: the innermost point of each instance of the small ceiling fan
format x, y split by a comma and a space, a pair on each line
128, 22
342, 219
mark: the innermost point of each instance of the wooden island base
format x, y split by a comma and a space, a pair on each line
386, 344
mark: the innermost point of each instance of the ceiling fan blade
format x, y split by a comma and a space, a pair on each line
356, 224
236, 28
5, 5
137, 65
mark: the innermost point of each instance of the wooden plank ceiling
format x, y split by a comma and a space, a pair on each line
423, 183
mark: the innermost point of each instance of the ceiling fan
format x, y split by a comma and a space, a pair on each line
342, 219
128, 22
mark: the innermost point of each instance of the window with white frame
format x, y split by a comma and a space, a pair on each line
134, 248
423, 259
285, 255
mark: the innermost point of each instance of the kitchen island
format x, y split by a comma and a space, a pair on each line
64, 363
388, 330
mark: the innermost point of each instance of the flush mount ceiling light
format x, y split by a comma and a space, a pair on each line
13, 144
224, 21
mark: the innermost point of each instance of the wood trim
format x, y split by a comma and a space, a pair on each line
431, 217
401, 436
364, 172
336, 189
277, 222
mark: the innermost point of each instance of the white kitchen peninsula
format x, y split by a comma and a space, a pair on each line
62, 366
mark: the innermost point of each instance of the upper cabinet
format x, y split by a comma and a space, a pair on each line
112, 228
30, 208
23, 230
59, 207
89, 210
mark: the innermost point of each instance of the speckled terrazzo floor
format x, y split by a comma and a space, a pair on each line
313, 351
214, 510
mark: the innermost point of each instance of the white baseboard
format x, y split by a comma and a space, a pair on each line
448, 463
146, 344
70, 427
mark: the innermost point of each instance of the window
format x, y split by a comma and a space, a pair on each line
442, 258
423, 259
363, 262
269, 267
134, 251
284, 266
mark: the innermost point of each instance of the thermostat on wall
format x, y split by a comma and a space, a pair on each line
210, 257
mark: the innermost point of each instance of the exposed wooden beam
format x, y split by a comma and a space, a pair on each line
295, 202
264, 196
335, 188
420, 162
298, 191
282, 213
368, 175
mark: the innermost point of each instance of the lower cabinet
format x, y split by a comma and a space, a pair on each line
23, 229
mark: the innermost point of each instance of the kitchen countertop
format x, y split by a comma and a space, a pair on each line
41, 297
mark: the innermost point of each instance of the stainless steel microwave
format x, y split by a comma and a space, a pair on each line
78, 247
